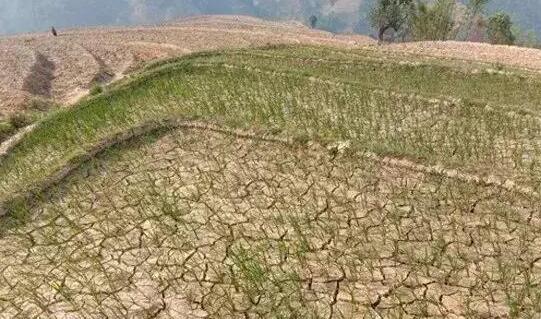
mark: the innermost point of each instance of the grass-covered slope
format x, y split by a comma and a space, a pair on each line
423, 203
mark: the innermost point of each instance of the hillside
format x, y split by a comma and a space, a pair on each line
60, 70
66, 67
285, 181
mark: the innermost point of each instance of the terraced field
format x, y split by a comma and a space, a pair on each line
281, 182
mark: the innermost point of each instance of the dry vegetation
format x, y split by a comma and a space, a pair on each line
204, 224
67, 67
281, 182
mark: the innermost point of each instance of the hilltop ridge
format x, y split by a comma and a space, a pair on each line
65, 68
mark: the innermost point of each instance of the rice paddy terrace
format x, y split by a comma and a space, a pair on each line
281, 182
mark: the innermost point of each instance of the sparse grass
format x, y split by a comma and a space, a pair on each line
384, 107
6, 130
36, 109
20, 120
513, 88
40, 105
276, 231
195, 223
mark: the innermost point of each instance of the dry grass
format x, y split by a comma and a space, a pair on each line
79, 58
526, 58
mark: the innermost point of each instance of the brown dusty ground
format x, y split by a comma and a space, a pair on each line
65, 67
526, 58
201, 224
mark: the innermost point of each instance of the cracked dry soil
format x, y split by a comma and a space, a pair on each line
199, 224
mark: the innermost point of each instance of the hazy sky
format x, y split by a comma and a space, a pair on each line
346, 15
36, 15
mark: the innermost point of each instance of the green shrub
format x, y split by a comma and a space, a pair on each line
96, 89
20, 120
6, 130
434, 22
499, 29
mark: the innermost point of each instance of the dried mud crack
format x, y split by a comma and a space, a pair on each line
150, 127
202, 224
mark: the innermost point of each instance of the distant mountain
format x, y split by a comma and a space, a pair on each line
35, 15
333, 15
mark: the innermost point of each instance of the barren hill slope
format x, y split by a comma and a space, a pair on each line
526, 58
64, 68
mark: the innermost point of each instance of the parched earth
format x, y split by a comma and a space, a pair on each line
525, 58
64, 68
200, 224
